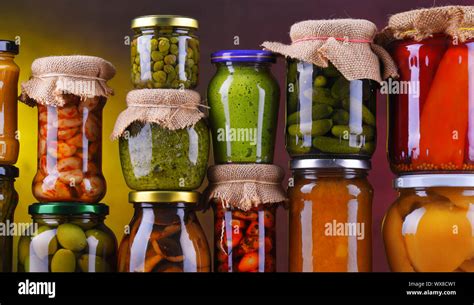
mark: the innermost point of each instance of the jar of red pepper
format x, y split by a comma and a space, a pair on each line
431, 109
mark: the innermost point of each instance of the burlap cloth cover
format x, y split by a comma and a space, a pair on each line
455, 21
169, 108
346, 43
244, 186
55, 76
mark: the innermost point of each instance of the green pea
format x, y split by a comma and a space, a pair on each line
156, 56
23, 249
164, 45
320, 81
159, 76
174, 49
134, 51
102, 242
170, 59
63, 260
92, 263
190, 53
190, 62
71, 237
171, 77
137, 59
153, 44
175, 84
174, 40
168, 68
158, 65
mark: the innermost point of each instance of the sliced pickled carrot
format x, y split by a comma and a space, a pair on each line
444, 119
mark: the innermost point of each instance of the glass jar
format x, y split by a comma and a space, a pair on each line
430, 116
430, 226
165, 52
164, 235
244, 99
156, 158
245, 241
9, 73
330, 216
327, 115
8, 203
70, 151
68, 237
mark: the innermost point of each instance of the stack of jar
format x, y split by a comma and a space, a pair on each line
333, 71
245, 187
164, 149
431, 141
68, 232
9, 147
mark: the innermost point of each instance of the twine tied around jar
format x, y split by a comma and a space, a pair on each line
55, 77
346, 43
245, 186
419, 24
170, 108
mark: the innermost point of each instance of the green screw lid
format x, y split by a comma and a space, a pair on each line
68, 208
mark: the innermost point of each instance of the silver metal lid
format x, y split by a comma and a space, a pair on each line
330, 163
434, 180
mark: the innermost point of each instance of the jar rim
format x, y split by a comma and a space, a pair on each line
297, 164
191, 197
164, 20
68, 208
434, 180
249, 56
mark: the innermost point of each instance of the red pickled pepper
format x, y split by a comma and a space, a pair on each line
444, 119
417, 62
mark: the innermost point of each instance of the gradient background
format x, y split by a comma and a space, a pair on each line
88, 27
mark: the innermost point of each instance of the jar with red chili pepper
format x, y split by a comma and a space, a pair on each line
430, 104
244, 240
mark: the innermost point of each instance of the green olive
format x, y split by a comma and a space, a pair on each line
92, 263
102, 242
63, 260
71, 237
44, 241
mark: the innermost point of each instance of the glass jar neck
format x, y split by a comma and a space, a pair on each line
7, 56
57, 218
315, 173
234, 65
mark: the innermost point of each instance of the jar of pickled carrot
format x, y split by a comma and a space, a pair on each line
330, 216
430, 226
9, 73
431, 108
70, 93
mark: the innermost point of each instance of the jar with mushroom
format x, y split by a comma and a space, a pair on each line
67, 237
164, 235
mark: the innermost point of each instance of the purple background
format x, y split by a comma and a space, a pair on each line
253, 21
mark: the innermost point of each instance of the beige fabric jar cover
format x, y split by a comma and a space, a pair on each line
245, 186
170, 108
56, 76
346, 43
455, 21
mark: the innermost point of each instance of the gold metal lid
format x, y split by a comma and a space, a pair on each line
163, 197
164, 20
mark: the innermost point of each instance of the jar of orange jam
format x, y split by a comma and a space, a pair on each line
9, 73
330, 216
430, 226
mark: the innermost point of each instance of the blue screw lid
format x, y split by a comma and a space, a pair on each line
243, 56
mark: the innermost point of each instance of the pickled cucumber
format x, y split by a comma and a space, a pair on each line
341, 88
331, 71
319, 111
340, 117
297, 145
344, 131
335, 146
315, 128
323, 96
367, 116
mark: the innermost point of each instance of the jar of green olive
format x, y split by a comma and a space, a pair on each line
165, 52
68, 237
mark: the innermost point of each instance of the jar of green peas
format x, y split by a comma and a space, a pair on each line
165, 52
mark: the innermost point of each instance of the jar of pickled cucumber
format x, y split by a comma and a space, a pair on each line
329, 116
330, 216
68, 237
164, 234
165, 52
8, 203
430, 226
